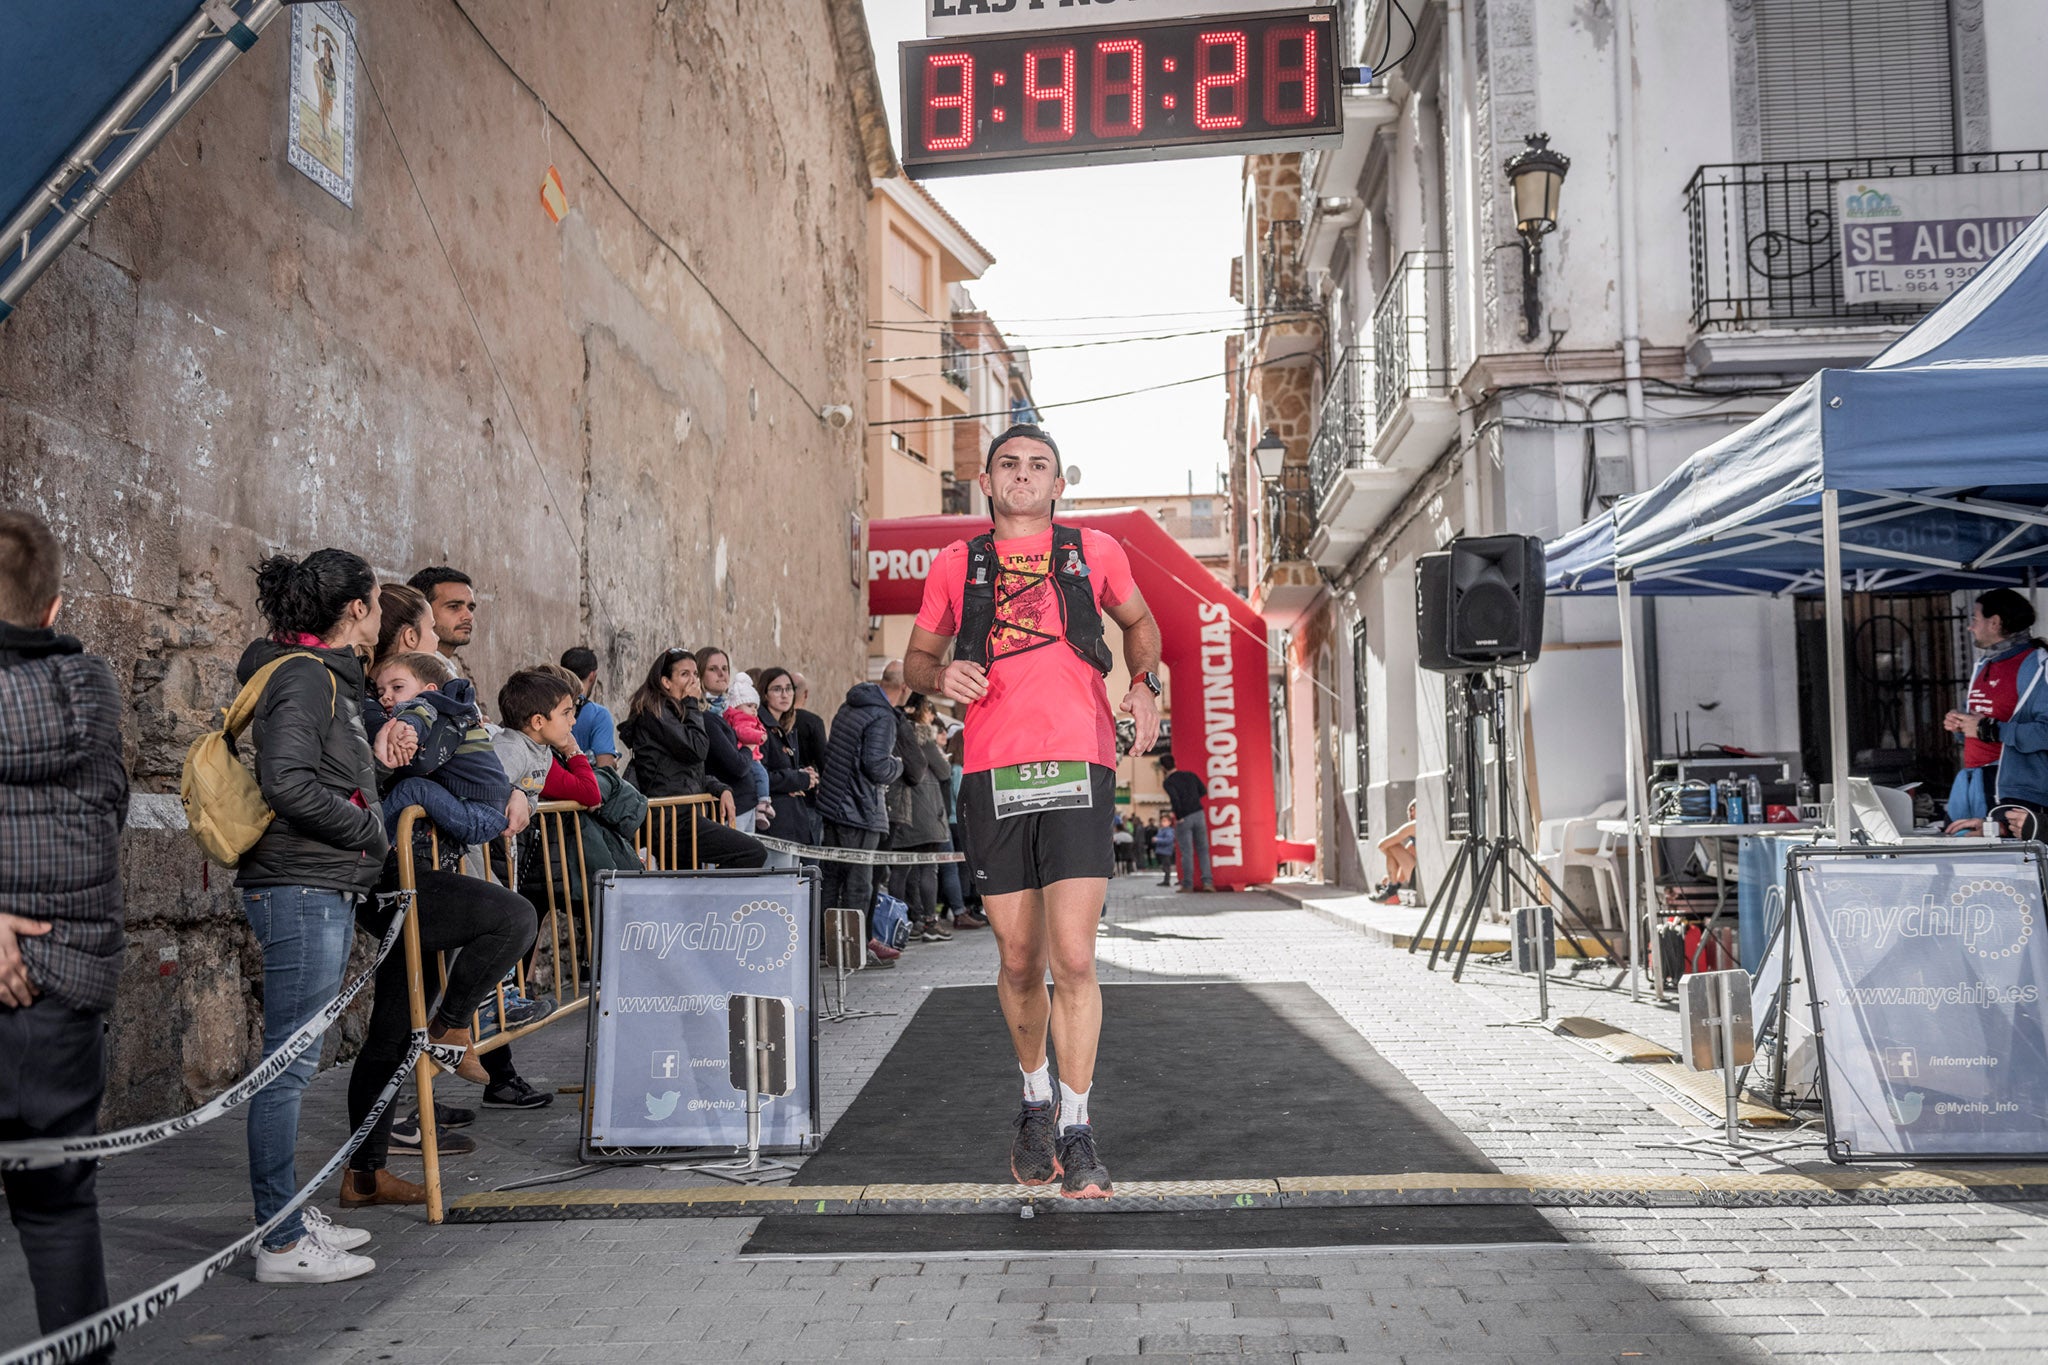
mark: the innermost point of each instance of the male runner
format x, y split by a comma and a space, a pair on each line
1024, 605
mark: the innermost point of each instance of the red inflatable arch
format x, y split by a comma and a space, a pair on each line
1214, 649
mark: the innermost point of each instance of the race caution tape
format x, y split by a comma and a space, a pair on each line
99, 1330
36, 1153
874, 857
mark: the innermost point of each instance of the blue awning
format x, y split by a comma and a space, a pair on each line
1938, 449
87, 89
60, 67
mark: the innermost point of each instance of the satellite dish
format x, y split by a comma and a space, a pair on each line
1073, 474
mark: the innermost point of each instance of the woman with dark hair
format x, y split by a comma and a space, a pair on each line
665, 728
407, 626
924, 830
668, 730
319, 856
724, 763
792, 773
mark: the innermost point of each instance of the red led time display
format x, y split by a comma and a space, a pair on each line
1121, 93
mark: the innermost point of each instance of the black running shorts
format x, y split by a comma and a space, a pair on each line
1031, 852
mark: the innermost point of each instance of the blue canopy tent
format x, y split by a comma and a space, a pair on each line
1928, 468
87, 89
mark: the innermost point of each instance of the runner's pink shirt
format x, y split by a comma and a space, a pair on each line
1044, 701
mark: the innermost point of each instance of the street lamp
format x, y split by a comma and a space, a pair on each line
1535, 175
1271, 453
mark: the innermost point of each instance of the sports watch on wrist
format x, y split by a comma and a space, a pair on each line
1150, 680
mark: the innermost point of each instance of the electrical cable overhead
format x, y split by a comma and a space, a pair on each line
1099, 317
475, 322
966, 352
1076, 402
1394, 7
934, 329
547, 111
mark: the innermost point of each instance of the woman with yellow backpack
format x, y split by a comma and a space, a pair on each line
319, 851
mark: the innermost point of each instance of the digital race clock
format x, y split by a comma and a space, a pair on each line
1136, 92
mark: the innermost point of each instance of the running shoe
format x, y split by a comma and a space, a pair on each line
882, 952
1034, 1158
1086, 1176
515, 1093
405, 1137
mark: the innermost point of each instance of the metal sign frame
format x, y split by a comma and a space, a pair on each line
1838, 1149
809, 883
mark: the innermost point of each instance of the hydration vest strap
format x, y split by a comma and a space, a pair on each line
1080, 617
978, 601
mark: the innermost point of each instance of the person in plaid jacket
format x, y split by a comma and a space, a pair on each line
63, 800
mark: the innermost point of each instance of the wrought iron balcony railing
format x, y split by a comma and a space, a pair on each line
1289, 517
1344, 427
1283, 283
1411, 332
952, 360
1766, 244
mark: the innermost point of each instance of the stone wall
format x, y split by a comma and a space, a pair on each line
233, 362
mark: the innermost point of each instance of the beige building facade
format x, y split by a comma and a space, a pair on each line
918, 381
615, 423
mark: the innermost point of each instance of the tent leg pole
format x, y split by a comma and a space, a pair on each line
1628, 774
1838, 670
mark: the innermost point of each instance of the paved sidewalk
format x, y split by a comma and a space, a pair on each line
1926, 1283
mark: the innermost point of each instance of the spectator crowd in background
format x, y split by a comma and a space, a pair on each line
360, 706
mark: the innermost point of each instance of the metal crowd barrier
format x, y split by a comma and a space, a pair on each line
565, 947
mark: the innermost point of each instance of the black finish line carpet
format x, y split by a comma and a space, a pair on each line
1195, 1082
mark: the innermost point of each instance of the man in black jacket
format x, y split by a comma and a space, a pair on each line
810, 726
63, 800
860, 763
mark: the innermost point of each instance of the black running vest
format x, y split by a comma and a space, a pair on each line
1078, 612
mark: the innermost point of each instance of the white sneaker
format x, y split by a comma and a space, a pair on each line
310, 1261
333, 1233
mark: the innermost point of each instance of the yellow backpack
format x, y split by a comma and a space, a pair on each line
224, 806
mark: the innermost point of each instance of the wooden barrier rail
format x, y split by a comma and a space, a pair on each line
565, 945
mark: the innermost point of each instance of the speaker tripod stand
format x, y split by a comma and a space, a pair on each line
1490, 862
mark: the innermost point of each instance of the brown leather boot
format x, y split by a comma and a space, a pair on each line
361, 1189
471, 1070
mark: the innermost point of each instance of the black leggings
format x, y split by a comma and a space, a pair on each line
917, 884
493, 927
723, 846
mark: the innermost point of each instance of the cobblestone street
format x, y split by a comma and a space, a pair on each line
1937, 1282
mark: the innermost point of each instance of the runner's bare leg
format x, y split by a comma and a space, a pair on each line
1054, 927
1073, 910
1018, 920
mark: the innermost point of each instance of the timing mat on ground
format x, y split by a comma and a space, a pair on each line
1539, 1189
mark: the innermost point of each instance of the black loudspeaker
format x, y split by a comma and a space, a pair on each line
1496, 599
1433, 614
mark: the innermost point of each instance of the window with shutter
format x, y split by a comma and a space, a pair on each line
1848, 78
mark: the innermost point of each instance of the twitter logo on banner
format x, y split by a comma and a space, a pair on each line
660, 1107
1905, 1108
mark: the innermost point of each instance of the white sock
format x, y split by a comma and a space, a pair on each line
1038, 1084
1073, 1107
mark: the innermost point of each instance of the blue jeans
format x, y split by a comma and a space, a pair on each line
305, 932
1191, 839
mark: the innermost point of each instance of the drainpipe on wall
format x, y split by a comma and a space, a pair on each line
1632, 321
1465, 235
1625, 207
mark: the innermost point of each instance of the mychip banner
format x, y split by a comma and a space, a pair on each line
676, 947
1927, 970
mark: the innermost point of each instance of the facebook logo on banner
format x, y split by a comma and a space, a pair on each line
667, 1065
